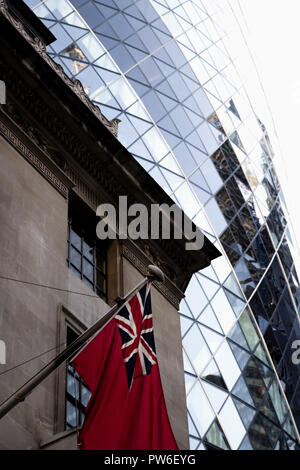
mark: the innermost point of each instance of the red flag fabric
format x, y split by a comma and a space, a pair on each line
127, 409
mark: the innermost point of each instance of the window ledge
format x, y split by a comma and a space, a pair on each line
58, 437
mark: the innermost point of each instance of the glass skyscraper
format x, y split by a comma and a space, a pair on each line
163, 67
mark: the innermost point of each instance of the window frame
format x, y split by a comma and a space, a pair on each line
82, 223
78, 383
65, 319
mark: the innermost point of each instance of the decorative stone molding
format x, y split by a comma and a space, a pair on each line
141, 261
83, 189
35, 160
75, 85
74, 180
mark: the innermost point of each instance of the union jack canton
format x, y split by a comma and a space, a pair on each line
136, 330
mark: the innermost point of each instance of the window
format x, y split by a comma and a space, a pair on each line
77, 394
87, 256
74, 52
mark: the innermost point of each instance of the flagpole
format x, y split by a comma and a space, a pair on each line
154, 274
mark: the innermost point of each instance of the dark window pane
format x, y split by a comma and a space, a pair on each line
88, 270
71, 415
101, 283
75, 258
70, 384
75, 239
88, 251
85, 395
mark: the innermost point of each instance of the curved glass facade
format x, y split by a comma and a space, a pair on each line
163, 68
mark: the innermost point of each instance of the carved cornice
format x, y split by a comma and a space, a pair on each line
34, 148
75, 85
140, 261
41, 163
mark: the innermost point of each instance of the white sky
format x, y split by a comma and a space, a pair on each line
274, 35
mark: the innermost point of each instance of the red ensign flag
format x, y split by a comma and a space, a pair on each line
127, 409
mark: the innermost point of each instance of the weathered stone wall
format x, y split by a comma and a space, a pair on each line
33, 221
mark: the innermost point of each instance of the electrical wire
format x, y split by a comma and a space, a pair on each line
48, 287
32, 359
6, 278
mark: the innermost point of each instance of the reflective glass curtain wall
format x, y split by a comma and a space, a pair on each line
163, 68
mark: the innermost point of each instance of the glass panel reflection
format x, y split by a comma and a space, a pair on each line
216, 437
232, 424
200, 409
